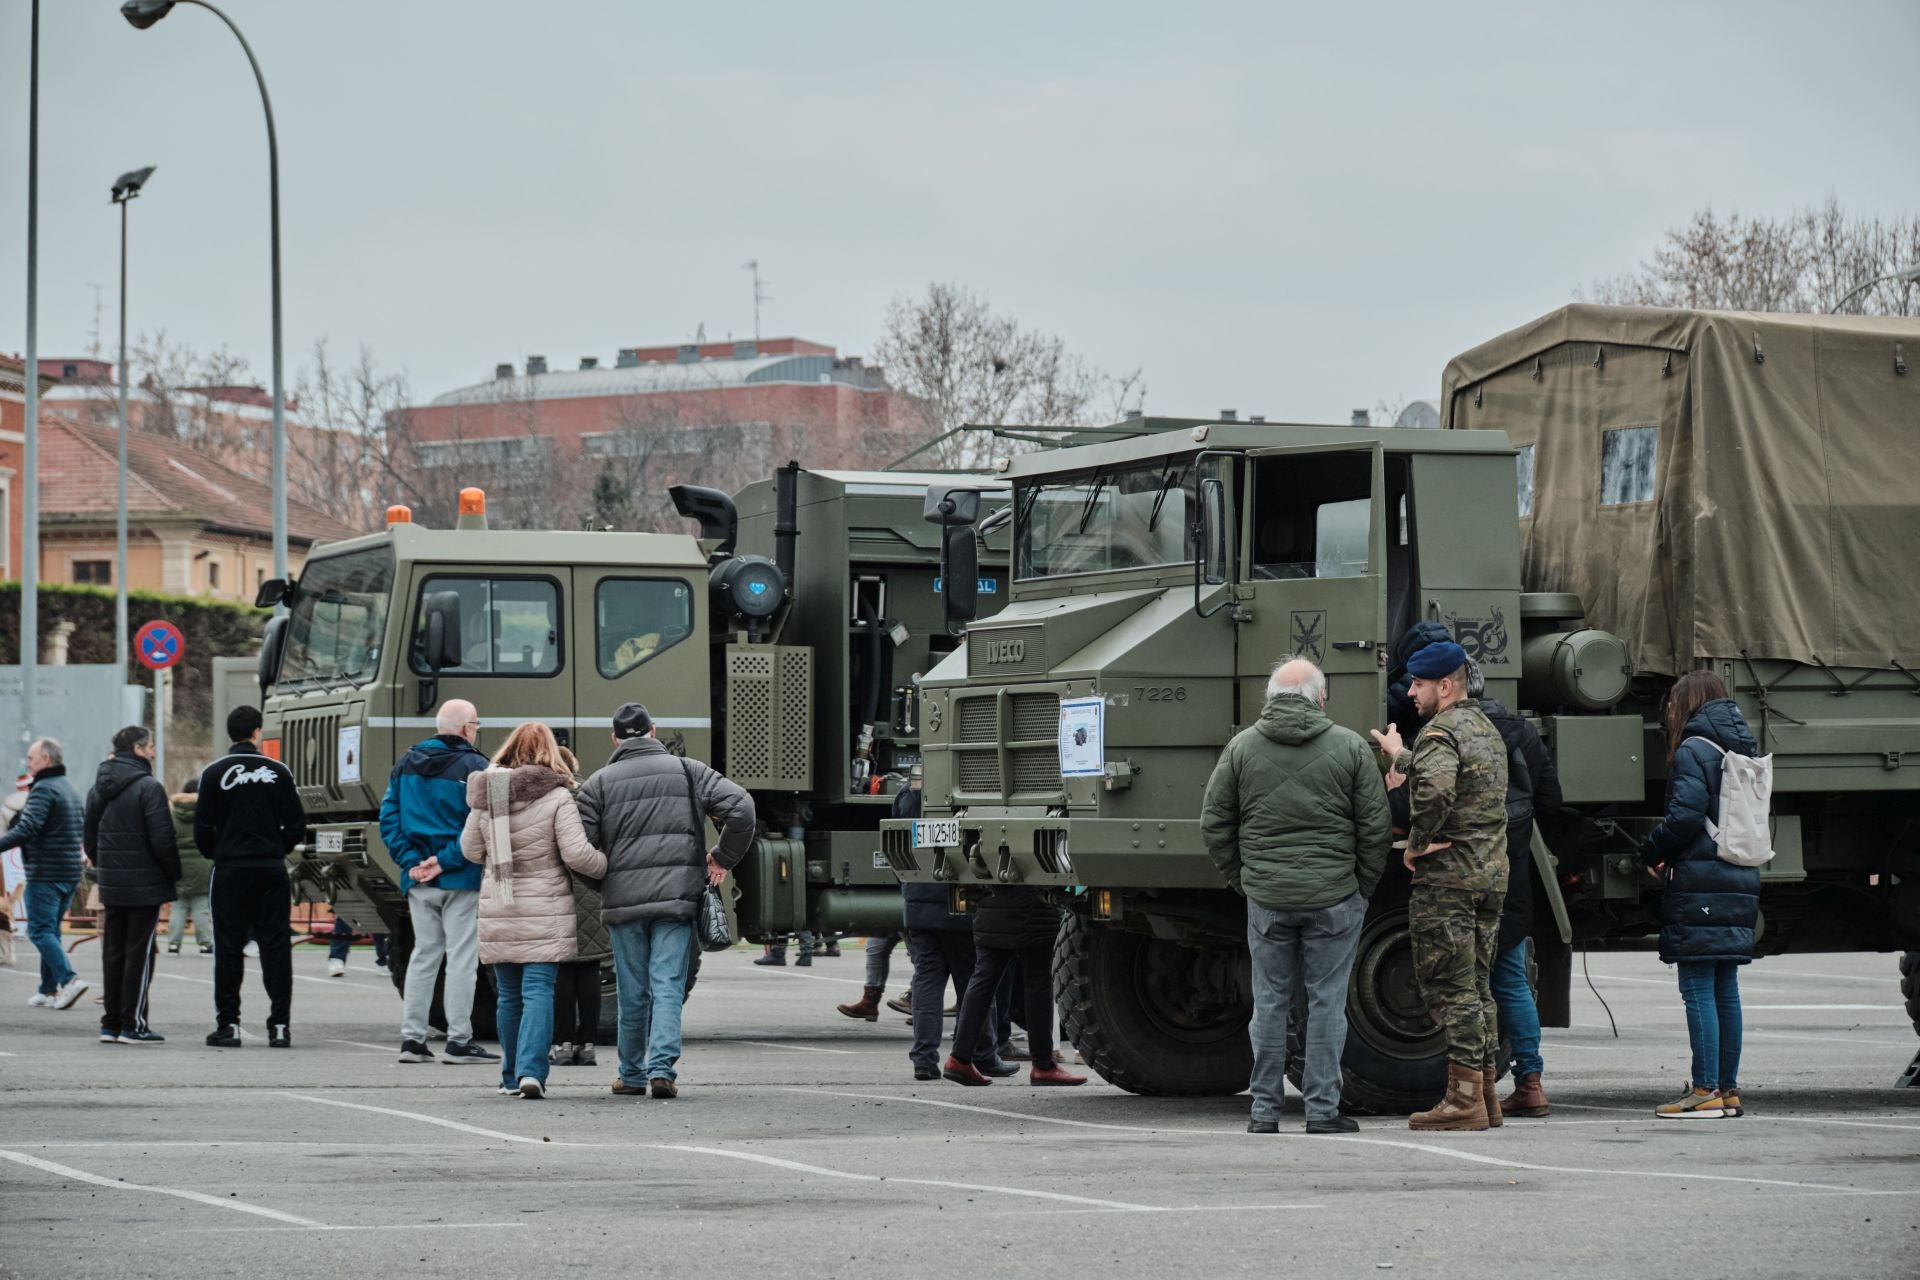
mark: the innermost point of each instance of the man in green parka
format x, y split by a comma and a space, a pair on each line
195, 879
1296, 818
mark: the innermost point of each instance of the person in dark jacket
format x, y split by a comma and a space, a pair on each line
1533, 791
421, 818
576, 993
247, 821
1012, 921
1710, 908
1296, 819
647, 811
128, 837
196, 875
48, 833
1402, 712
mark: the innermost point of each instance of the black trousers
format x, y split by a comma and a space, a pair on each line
990, 963
127, 944
576, 1003
251, 902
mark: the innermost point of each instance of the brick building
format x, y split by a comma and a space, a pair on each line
692, 408
13, 444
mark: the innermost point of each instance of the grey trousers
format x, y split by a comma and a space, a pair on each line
200, 907
1314, 949
446, 925
879, 952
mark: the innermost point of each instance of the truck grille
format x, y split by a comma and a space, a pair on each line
309, 747
1023, 761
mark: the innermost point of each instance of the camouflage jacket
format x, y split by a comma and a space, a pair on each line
1457, 778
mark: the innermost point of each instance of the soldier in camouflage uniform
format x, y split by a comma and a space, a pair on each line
1457, 851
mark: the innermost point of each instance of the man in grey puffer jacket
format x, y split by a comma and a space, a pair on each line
647, 810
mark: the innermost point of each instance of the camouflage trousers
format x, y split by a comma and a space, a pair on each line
1455, 934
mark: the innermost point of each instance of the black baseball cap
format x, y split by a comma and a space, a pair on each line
632, 720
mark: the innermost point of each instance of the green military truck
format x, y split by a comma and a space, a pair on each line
782, 644
1621, 495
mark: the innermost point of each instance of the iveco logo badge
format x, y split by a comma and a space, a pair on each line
1004, 651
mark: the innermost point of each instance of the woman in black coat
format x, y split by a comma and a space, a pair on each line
1012, 922
1710, 909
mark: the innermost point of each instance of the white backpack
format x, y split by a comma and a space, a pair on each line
1742, 836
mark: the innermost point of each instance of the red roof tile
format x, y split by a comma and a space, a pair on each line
79, 478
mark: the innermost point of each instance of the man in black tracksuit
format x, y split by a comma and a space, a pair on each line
248, 820
127, 834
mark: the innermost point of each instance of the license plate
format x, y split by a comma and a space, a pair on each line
936, 833
330, 841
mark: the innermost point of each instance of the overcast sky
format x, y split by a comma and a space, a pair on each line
1283, 208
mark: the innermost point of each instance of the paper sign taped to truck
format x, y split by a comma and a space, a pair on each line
1082, 751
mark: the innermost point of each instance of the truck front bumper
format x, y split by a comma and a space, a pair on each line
1016, 848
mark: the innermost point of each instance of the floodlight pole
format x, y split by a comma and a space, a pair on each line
30, 463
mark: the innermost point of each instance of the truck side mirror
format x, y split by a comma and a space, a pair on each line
956, 510
440, 644
272, 592
1210, 541
273, 646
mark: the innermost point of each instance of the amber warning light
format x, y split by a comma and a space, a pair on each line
473, 509
398, 514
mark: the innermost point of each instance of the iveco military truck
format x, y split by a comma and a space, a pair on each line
1621, 496
782, 644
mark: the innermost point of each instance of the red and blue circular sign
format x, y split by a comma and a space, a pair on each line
159, 645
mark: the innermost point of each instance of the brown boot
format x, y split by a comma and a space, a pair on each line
1490, 1094
867, 1006
1461, 1108
1528, 1098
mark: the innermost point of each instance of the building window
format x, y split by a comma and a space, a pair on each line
259, 579
213, 575
1627, 458
508, 626
635, 619
1523, 478
95, 573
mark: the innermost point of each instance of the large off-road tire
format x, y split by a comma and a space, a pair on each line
1153, 1016
1910, 985
1395, 1062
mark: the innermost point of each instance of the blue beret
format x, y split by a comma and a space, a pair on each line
1437, 660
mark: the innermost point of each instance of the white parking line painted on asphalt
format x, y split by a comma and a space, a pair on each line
1772, 972
362, 1044
1822, 1008
793, 1048
1472, 1157
390, 1226
116, 1184
444, 1124
769, 971
1751, 1115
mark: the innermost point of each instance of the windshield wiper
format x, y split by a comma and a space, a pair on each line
1167, 477
1093, 497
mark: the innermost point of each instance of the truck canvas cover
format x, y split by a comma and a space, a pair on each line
1714, 484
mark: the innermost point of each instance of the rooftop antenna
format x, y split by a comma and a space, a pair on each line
760, 293
93, 343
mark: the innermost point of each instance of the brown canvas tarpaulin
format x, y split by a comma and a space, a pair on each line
1783, 515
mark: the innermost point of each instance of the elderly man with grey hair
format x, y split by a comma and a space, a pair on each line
48, 831
1296, 818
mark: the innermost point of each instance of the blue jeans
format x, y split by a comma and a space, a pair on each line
650, 959
1519, 1016
46, 903
524, 1014
1313, 949
1711, 989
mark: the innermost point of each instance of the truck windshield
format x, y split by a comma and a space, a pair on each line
339, 617
1129, 517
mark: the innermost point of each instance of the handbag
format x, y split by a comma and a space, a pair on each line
710, 916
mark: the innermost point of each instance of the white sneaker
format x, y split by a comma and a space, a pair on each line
336, 968
531, 1088
66, 996
40, 1001
252, 949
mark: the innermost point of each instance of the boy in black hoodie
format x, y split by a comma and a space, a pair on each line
127, 834
248, 821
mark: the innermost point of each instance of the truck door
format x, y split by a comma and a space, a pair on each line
642, 638
1315, 573
513, 643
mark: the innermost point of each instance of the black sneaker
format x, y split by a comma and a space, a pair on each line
1263, 1126
803, 962
278, 1037
1333, 1124
469, 1052
142, 1037
109, 1037
772, 958
415, 1051
926, 1073
225, 1036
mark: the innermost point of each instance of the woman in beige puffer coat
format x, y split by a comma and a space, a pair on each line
522, 825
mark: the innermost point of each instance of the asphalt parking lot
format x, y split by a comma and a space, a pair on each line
801, 1146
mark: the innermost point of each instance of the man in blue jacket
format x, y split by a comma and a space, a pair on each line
48, 835
420, 821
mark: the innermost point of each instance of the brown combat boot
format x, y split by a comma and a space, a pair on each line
1490, 1093
867, 1006
1460, 1109
1528, 1098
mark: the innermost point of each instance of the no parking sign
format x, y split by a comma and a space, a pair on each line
159, 645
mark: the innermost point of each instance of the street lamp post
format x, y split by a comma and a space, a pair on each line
1909, 274
125, 191
143, 14
30, 462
